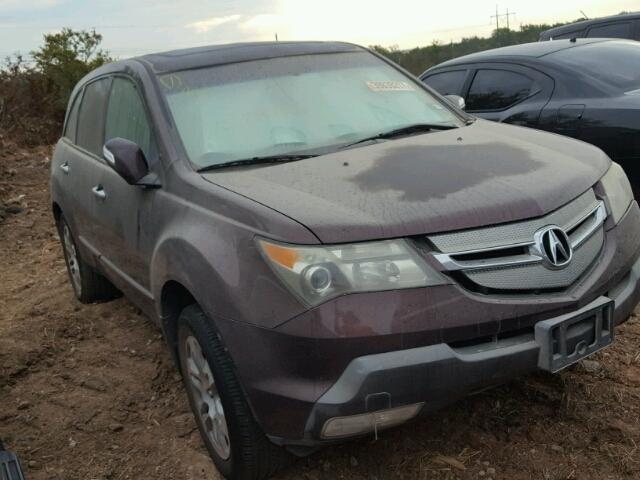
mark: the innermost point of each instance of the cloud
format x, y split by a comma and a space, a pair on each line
203, 26
260, 27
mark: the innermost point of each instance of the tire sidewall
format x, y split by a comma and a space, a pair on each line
193, 322
62, 223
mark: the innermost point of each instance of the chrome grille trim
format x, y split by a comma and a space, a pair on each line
579, 232
538, 276
514, 232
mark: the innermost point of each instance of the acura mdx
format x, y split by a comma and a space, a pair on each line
330, 247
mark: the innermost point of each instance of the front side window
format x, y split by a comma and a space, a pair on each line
90, 134
293, 104
497, 90
447, 83
612, 30
127, 117
569, 35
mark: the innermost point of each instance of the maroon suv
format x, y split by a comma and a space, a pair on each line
329, 246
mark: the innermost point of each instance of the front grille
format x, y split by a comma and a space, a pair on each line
508, 258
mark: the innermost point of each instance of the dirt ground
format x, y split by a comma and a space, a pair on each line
89, 391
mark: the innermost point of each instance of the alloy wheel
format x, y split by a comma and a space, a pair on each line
207, 399
72, 259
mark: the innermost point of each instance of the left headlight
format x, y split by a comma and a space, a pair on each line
617, 190
316, 273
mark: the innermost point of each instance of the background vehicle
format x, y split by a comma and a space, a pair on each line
616, 26
587, 89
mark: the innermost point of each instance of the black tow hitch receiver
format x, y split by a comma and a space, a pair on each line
10, 468
566, 339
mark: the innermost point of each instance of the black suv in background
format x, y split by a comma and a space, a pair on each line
617, 26
588, 89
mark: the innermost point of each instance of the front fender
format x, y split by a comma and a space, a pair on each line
221, 266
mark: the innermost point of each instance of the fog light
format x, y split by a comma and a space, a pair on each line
369, 422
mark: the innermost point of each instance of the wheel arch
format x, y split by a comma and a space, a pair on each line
174, 298
57, 211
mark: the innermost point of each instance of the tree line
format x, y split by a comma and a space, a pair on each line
418, 59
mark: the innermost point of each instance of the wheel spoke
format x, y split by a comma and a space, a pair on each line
195, 377
210, 412
72, 258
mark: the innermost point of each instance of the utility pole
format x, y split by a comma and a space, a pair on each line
498, 15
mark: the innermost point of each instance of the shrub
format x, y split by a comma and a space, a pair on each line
34, 96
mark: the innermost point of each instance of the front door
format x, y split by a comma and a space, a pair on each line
124, 214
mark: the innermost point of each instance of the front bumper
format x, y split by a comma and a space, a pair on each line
439, 374
367, 352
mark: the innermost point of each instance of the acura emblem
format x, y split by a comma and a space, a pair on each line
553, 245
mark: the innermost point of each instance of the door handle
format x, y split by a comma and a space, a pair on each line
65, 168
99, 192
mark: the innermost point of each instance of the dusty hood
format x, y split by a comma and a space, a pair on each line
483, 174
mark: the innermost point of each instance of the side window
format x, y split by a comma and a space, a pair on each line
611, 30
569, 35
126, 116
72, 119
447, 83
497, 90
91, 118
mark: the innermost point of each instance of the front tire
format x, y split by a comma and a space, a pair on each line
88, 285
238, 447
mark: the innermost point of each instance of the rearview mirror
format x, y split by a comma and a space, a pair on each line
457, 101
126, 158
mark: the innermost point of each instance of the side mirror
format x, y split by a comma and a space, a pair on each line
457, 101
127, 159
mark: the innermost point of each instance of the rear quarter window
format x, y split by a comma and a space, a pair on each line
447, 83
91, 118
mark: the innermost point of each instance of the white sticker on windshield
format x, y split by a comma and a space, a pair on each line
390, 86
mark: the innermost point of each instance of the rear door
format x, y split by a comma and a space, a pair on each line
81, 161
124, 215
508, 93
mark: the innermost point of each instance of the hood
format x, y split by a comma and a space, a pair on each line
482, 174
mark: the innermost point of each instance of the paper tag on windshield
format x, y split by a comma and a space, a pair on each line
390, 86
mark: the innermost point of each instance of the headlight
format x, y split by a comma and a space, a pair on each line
316, 273
617, 190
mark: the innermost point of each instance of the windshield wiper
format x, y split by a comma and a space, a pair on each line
257, 161
409, 129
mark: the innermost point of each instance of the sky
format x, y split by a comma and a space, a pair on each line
137, 27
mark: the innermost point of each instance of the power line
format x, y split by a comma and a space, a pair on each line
498, 16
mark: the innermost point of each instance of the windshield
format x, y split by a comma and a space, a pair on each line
615, 63
292, 105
